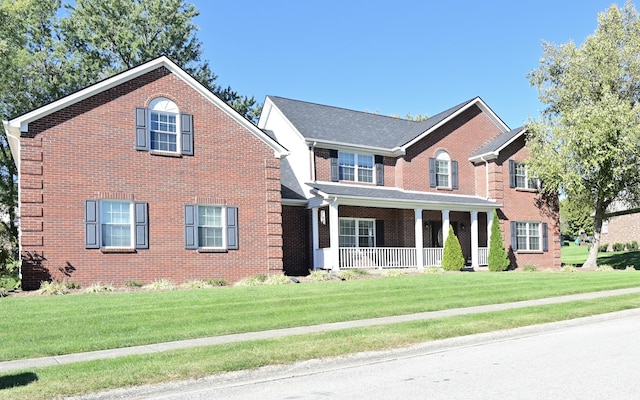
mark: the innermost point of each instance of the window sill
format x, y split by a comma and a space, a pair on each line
211, 250
117, 250
165, 153
529, 252
521, 189
445, 189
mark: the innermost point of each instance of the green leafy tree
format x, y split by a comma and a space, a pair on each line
498, 256
575, 216
113, 35
585, 142
452, 259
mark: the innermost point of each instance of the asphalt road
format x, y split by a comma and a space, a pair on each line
588, 358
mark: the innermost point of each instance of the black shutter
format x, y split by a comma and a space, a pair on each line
514, 238
379, 233
379, 170
190, 227
91, 225
232, 228
186, 129
432, 172
142, 143
512, 174
335, 169
454, 174
141, 226
545, 237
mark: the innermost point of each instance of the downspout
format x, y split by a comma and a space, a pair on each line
486, 176
313, 161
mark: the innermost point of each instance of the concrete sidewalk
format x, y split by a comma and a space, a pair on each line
277, 333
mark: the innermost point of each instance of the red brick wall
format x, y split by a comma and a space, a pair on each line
296, 224
460, 138
86, 151
622, 229
523, 205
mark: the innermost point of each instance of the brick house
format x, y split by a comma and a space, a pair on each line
621, 224
143, 176
370, 191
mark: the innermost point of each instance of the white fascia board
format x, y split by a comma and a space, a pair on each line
295, 202
23, 121
395, 152
271, 108
13, 137
477, 101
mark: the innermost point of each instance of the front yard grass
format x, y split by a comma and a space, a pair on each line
36, 326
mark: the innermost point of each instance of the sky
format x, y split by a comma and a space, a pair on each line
391, 57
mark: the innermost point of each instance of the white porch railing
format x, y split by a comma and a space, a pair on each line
483, 256
387, 257
433, 256
377, 257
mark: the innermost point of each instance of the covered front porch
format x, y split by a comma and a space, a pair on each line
392, 229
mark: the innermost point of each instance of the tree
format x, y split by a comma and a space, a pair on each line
452, 259
113, 35
498, 256
575, 217
585, 143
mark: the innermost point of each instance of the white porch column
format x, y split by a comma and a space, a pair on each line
489, 223
418, 234
334, 236
474, 239
445, 226
315, 236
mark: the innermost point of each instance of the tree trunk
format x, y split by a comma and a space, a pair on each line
592, 260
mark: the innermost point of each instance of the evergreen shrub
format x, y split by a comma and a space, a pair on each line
452, 259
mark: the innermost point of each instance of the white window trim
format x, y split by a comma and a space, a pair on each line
357, 167
164, 106
223, 211
357, 226
528, 237
444, 156
527, 179
131, 223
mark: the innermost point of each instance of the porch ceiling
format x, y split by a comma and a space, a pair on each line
376, 196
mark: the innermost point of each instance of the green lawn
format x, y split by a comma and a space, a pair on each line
78, 323
577, 255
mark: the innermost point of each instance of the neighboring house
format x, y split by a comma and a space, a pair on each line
144, 176
621, 224
369, 191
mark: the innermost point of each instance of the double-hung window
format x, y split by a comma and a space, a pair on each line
443, 172
529, 236
116, 224
162, 129
211, 227
357, 232
356, 167
519, 176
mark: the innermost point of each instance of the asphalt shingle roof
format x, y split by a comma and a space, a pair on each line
497, 142
328, 123
381, 193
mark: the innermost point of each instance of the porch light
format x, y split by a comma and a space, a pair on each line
462, 226
323, 217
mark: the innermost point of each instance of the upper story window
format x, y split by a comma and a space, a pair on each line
443, 172
355, 167
519, 176
162, 129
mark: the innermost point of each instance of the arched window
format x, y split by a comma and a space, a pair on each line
443, 169
443, 172
163, 125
